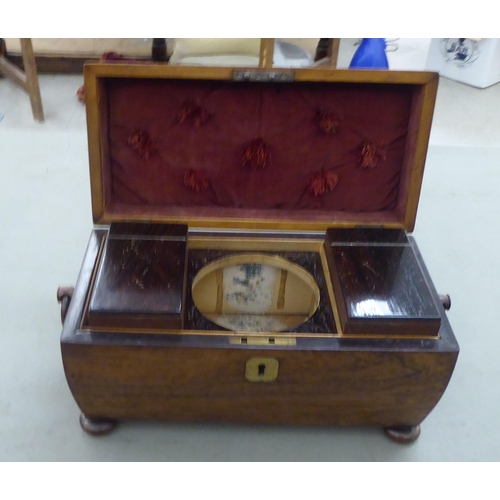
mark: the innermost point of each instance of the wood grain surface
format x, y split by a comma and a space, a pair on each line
141, 277
321, 381
379, 286
312, 388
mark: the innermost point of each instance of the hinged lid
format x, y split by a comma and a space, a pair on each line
197, 146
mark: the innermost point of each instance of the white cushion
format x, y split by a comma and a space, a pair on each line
216, 60
196, 47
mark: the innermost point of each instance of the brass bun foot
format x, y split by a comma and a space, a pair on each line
403, 434
97, 426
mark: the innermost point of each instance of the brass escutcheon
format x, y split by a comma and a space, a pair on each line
262, 370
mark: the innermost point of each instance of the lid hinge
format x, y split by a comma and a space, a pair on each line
263, 76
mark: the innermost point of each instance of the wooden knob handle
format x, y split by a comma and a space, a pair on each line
446, 301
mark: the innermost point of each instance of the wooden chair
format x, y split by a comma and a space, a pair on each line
27, 80
326, 53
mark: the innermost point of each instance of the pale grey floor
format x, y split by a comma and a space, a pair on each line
46, 216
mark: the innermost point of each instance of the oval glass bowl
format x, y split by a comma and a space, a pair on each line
255, 293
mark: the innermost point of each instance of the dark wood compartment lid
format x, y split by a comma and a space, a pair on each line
140, 278
333, 148
379, 285
378, 236
139, 230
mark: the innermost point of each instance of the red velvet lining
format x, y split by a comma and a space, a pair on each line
307, 129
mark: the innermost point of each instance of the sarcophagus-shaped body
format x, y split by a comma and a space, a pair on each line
252, 261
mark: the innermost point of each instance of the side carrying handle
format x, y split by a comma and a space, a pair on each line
64, 294
445, 301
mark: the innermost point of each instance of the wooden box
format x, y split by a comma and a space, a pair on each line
140, 279
251, 260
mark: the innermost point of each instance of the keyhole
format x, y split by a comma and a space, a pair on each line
261, 370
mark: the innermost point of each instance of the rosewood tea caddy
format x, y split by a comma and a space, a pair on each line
251, 260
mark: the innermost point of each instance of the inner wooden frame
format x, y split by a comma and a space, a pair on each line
243, 245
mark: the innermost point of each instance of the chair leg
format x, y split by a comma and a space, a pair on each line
32, 79
333, 51
266, 53
159, 50
327, 52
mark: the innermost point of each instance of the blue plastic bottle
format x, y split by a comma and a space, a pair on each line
370, 54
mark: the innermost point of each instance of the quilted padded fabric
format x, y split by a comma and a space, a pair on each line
286, 117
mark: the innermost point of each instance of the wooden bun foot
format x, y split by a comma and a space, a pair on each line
97, 426
403, 434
